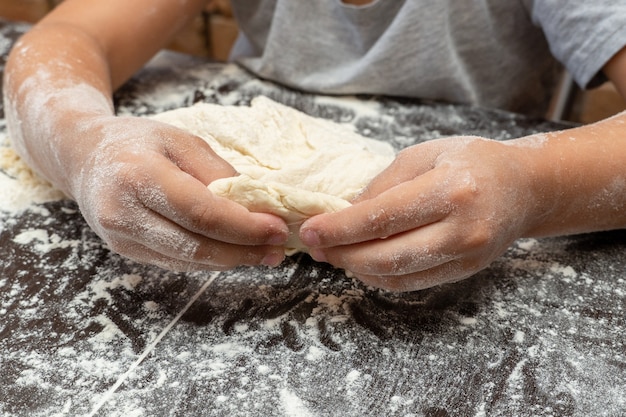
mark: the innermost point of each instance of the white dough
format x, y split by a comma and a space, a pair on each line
291, 164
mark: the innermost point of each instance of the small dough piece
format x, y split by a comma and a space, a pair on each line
292, 165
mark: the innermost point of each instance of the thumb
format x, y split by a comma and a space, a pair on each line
408, 164
195, 157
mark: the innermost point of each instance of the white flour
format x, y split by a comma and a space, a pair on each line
540, 333
20, 188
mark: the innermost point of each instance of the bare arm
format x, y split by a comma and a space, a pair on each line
445, 209
140, 184
67, 67
586, 171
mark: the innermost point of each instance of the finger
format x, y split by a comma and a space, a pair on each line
143, 255
408, 164
407, 253
404, 207
186, 201
147, 256
442, 274
195, 157
158, 241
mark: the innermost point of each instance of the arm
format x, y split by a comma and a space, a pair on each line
615, 69
446, 209
76, 47
140, 184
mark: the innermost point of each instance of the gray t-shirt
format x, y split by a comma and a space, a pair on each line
494, 53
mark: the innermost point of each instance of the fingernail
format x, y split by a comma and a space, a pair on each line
309, 237
318, 255
273, 259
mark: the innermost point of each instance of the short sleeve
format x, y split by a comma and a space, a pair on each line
583, 35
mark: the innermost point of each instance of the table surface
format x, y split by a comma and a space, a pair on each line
86, 332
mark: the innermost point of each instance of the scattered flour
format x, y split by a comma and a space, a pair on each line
523, 333
526, 244
20, 188
315, 353
293, 405
353, 376
43, 242
564, 270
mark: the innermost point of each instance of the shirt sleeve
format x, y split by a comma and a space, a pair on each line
583, 35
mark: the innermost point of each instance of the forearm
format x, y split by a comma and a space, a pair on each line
579, 178
55, 77
60, 76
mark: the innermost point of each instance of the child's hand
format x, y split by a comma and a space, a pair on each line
441, 212
142, 187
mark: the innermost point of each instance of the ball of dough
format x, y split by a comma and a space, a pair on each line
291, 164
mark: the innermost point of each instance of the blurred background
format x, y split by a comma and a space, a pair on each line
212, 33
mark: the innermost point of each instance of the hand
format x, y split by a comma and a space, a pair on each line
441, 212
141, 185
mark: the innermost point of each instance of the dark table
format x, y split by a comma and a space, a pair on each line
541, 332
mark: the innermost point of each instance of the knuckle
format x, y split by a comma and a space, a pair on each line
127, 175
203, 217
464, 192
479, 237
110, 221
379, 218
403, 156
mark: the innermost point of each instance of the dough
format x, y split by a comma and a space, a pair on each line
290, 164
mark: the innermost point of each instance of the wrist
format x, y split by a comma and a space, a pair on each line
46, 97
538, 173
51, 127
578, 179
